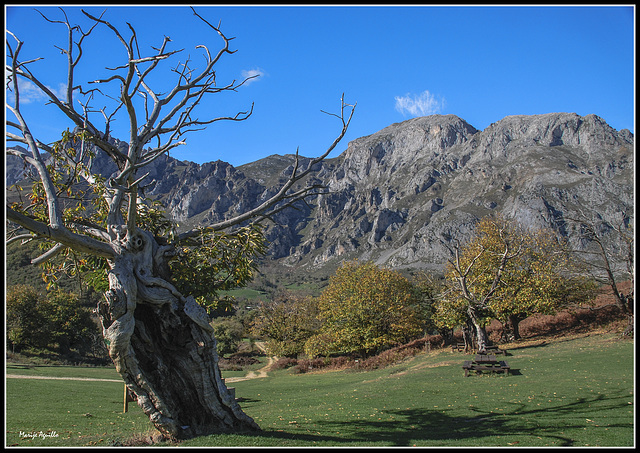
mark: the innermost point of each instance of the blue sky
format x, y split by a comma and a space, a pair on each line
480, 63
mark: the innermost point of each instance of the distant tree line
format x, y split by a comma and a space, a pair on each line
505, 272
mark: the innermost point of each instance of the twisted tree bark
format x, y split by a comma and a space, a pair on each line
163, 346
159, 340
481, 334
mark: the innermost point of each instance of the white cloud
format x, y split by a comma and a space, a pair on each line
419, 105
29, 92
255, 73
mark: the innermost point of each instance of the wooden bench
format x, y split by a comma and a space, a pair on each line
457, 347
230, 390
468, 365
495, 350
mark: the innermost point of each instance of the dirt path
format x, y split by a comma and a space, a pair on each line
24, 376
261, 373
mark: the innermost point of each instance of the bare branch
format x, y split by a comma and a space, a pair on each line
20, 237
55, 216
62, 235
166, 118
49, 254
604, 257
265, 207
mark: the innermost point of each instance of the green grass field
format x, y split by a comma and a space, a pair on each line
567, 392
69, 413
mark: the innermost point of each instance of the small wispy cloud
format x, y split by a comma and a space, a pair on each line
252, 74
30, 93
422, 104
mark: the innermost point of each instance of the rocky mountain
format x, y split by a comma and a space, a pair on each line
397, 196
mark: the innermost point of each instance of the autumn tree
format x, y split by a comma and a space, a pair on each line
366, 309
508, 273
228, 333
159, 338
286, 322
543, 279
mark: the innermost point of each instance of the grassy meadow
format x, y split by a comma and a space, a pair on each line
572, 391
57, 412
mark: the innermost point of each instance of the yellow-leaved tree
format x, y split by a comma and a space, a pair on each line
364, 310
286, 322
508, 272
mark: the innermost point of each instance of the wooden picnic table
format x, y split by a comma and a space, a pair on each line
457, 347
485, 359
495, 350
485, 362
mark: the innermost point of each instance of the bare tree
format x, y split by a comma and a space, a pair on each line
607, 250
159, 339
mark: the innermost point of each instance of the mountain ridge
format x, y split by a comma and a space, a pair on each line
395, 196
426, 192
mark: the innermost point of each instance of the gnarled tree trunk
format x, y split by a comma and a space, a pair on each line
468, 335
481, 333
511, 329
163, 346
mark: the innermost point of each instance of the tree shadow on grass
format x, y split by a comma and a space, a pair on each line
410, 426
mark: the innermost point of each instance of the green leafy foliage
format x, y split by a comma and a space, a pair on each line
427, 288
216, 262
229, 332
68, 324
24, 320
287, 322
508, 273
39, 321
82, 203
84, 209
366, 309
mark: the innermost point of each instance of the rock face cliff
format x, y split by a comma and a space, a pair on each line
397, 196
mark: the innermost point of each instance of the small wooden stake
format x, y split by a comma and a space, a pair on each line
126, 399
